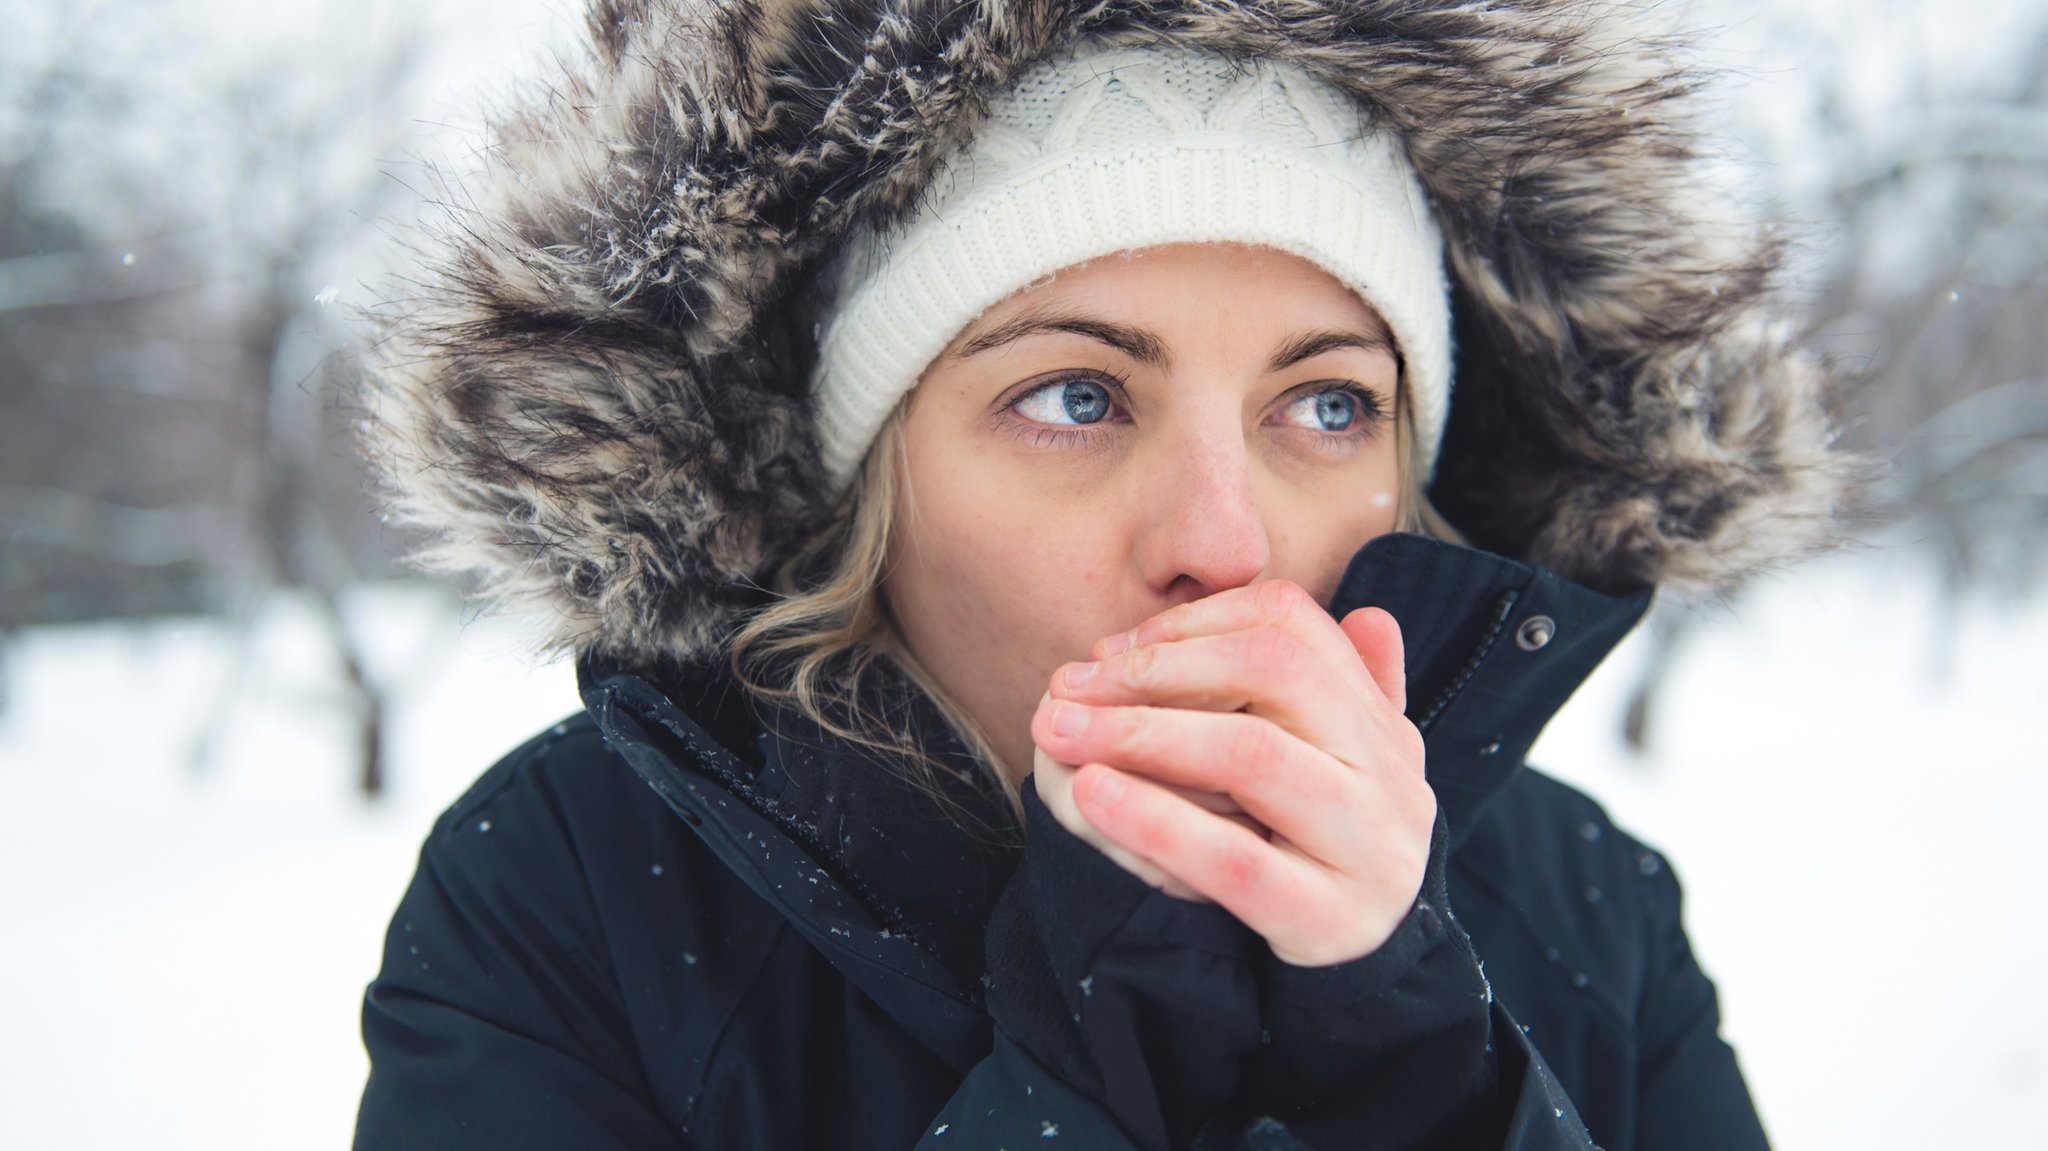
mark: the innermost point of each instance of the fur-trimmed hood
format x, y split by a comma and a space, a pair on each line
593, 403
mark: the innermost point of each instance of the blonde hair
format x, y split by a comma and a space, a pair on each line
819, 648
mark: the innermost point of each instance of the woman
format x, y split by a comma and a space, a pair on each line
1057, 661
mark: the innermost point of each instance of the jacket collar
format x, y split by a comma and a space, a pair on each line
894, 891
1494, 647
834, 845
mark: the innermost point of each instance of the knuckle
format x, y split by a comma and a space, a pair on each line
1140, 665
1342, 788
1254, 749
1273, 653
1279, 598
1171, 624
1130, 728
1239, 867
1150, 825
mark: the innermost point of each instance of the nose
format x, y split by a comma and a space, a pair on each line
1204, 531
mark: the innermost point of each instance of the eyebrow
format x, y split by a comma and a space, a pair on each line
1310, 344
1136, 343
1149, 349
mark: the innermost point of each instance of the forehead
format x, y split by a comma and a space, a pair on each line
1168, 282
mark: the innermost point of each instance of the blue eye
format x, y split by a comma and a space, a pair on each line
1331, 411
1068, 402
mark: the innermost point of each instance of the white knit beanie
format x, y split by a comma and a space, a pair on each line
1100, 150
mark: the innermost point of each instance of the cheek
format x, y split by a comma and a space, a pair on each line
996, 571
1315, 536
1006, 565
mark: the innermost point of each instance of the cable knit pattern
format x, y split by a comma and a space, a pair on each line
1104, 149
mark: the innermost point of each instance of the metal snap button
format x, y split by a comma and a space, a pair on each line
1535, 632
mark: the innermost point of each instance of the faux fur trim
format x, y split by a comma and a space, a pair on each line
592, 404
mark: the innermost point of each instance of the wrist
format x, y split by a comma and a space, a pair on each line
1353, 980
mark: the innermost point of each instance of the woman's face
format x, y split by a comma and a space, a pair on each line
1140, 430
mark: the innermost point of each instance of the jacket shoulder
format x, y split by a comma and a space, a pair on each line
1546, 877
1581, 925
563, 844
554, 831
1571, 915
567, 769
1545, 814
566, 928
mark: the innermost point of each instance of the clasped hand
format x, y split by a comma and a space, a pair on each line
1250, 750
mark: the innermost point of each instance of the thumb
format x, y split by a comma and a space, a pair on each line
1377, 637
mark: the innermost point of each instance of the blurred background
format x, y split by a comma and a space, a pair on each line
227, 718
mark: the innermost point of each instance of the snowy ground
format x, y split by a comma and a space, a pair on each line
187, 944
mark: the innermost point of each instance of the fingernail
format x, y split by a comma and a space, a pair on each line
1069, 719
1118, 644
1081, 673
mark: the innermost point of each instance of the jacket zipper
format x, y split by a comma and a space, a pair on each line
1502, 608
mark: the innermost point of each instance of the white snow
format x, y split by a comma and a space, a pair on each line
186, 946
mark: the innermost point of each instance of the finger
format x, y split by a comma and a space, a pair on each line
1221, 804
1277, 603
1376, 636
1325, 807
1264, 886
1054, 783
1265, 670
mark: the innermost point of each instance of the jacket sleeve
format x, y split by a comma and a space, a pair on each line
1130, 1019
1409, 1044
1398, 1042
1124, 1017
1404, 1048
484, 1029
1690, 1092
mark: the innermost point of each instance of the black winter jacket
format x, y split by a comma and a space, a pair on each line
674, 923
